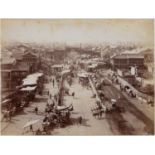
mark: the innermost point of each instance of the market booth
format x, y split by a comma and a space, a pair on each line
22, 95
65, 72
28, 94
35, 79
83, 78
11, 102
92, 67
32, 84
57, 68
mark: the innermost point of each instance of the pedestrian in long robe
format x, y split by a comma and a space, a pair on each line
53, 82
36, 110
31, 128
73, 94
80, 119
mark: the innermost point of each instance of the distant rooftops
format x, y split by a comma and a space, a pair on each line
135, 53
129, 56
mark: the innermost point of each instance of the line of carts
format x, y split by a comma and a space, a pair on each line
103, 103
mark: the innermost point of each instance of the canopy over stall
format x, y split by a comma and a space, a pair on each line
57, 66
35, 75
28, 88
65, 72
32, 122
29, 81
32, 79
92, 66
64, 107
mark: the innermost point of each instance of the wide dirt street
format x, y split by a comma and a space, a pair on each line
131, 121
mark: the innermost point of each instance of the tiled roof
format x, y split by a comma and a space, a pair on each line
21, 67
18, 55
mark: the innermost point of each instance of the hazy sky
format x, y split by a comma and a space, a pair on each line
76, 31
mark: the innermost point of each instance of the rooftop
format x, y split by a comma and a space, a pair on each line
30, 53
21, 67
18, 55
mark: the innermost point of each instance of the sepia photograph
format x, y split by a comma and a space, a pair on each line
77, 77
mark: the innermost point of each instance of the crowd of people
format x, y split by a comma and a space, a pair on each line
52, 115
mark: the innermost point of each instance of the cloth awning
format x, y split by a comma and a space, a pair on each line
65, 71
61, 107
35, 75
29, 81
92, 66
32, 79
64, 107
57, 66
28, 88
113, 100
31, 123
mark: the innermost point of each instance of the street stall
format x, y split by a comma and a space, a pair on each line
65, 72
57, 115
99, 106
106, 103
33, 80
11, 102
31, 126
29, 88
63, 113
57, 68
92, 67
64, 107
28, 93
29, 81
83, 78
31, 84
